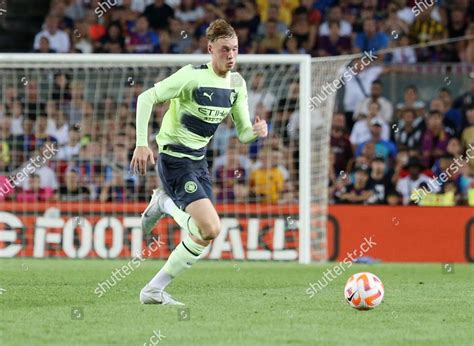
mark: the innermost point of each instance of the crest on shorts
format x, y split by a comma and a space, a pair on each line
190, 187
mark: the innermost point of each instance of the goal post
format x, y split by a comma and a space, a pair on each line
110, 83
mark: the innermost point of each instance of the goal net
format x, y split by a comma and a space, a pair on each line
68, 134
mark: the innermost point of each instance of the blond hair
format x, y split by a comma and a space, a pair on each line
219, 29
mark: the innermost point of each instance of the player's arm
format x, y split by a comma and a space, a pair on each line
240, 115
165, 90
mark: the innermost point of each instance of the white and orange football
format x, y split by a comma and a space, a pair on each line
364, 291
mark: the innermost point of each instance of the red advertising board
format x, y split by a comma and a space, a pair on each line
251, 232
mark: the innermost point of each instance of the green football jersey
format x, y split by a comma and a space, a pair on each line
199, 101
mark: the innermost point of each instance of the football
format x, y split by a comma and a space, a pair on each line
364, 291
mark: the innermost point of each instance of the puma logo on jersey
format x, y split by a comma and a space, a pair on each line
208, 95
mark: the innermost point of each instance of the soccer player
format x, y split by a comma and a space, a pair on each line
201, 98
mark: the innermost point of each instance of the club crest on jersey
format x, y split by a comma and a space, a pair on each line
190, 186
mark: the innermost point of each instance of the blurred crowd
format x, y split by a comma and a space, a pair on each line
318, 27
383, 151
410, 152
407, 151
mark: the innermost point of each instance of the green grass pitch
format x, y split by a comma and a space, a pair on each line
52, 302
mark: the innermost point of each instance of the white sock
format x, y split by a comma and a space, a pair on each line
160, 280
169, 205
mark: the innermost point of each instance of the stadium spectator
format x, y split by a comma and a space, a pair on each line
393, 25
234, 147
273, 15
124, 14
466, 100
370, 40
81, 41
246, 44
221, 137
466, 48
394, 198
411, 100
452, 116
358, 82
97, 30
61, 88
382, 148
142, 39
408, 131
300, 28
16, 114
26, 142
158, 14
340, 145
335, 14
75, 107
189, 11
285, 9
358, 192
361, 131
166, 46
32, 100
467, 137
41, 131
180, 35
201, 45
72, 190
74, 9
113, 190
386, 107
34, 192
44, 46
272, 43
435, 138
229, 174
403, 54
267, 182
58, 39
426, 29
414, 181
457, 22
46, 175
334, 43
112, 42
119, 164
259, 94
57, 10
73, 147
5, 144
58, 127
290, 46
379, 181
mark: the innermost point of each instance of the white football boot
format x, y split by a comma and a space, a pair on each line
154, 211
153, 295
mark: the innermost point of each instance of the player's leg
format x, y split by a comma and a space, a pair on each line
193, 190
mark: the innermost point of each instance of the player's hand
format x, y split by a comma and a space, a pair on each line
140, 158
260, 127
